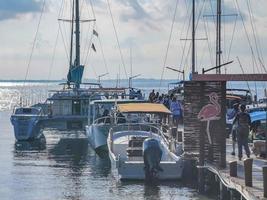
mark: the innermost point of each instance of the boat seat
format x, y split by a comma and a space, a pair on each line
135, 146
134, 151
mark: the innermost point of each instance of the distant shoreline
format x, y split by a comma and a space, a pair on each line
41, 80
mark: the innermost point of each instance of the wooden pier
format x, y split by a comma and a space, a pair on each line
238, 183
204, 140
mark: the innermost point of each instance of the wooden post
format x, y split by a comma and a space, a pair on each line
248, 171
179, 136
174, 132
264, 171
233, 168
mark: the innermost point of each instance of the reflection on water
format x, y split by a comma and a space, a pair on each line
34, 145
63, 166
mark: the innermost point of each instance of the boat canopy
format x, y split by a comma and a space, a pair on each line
232, 97
143, 108
258, 115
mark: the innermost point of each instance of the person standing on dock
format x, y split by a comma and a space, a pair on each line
243, 125
176, 111
232, 115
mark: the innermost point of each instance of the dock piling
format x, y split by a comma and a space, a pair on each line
264, 171
248, 171
233, 168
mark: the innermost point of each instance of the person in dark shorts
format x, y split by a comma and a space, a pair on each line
243, 120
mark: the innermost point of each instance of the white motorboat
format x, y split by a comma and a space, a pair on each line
140, 151
97, 131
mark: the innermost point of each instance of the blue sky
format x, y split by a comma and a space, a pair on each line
142, 25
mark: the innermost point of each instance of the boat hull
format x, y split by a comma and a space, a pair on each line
134, 170
65, 122
26, 128
97, 137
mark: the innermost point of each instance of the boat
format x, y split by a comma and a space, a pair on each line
67, 108
140, 150
258, 132
26, 123
97, 131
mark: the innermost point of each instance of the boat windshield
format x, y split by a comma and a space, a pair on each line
32, 111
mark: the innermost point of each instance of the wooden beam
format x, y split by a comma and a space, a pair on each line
229, 77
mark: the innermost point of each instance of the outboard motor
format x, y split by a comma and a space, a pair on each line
152, 154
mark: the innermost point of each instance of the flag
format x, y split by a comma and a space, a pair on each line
93, 47
95, 33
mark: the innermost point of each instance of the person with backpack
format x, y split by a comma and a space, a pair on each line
243, 126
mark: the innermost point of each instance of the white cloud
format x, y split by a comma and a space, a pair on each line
143, 25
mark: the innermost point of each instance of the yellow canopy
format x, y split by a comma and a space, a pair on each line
143, 108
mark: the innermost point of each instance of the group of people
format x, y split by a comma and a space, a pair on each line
240, 129
170, 101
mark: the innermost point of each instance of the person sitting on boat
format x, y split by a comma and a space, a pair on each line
257, 131
244, 122
151, 96
131, 94
139, 95
105, 117
120, 118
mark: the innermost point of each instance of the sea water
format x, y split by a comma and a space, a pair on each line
62, 165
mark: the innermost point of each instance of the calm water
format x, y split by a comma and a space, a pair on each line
62, 166
65, 167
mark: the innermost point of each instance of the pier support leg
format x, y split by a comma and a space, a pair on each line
233, 168
224, 194
201, 180
248, 171
264, 170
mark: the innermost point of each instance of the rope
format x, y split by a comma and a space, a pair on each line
258, 49
118, 43
246, 32
61, 33
103, 56
34, 42
91, 38
54, 49
168, 44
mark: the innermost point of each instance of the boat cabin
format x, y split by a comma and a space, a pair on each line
100, 109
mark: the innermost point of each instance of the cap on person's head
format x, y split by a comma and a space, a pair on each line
242, 107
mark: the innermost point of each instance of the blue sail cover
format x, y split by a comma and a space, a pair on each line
75, 75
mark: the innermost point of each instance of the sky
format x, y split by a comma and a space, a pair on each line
143, 29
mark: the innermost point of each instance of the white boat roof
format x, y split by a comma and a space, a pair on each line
107, 101
143, 108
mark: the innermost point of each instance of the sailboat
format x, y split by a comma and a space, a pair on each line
67, 108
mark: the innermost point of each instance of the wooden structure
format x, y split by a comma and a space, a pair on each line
198, 125
205, 137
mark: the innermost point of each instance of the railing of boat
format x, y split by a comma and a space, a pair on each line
138, 127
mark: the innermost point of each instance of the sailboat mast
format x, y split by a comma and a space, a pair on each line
218, 36
77, 33
193, 37
71, 41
